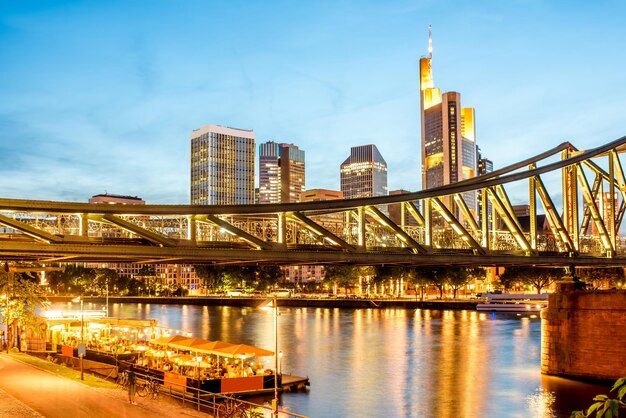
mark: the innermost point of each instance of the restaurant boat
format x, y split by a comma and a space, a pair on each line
180, 362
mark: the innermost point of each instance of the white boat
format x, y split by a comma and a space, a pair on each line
511, 302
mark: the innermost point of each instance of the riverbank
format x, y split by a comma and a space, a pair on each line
38, 388
285, 302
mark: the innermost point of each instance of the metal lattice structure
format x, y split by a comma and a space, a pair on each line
430, 227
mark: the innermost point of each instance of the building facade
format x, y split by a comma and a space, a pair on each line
281, 173
314, 273
448, 135
116, 199
364, 173
222, 166
165, 275
483, 166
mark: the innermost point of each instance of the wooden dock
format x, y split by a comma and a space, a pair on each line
291, 383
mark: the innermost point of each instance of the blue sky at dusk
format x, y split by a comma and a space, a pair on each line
102, 96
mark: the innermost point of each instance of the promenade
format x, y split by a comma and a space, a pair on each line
28, 391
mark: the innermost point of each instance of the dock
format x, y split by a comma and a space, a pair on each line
291, 383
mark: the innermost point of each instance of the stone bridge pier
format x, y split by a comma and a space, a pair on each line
583, 334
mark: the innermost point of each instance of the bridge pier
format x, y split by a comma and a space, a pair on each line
583, 334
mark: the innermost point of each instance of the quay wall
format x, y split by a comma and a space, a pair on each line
583, 334
286, 302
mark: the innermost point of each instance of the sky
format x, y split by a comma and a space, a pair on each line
101, 96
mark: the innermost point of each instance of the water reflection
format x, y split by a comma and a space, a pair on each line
393, 362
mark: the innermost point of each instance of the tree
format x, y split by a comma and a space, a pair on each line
23, 295
341, 276
106, 281
434, 275
597, 275
458, 277
606, 407
210, 275
385, 273
538, 277
72, 279
267, 277
420, 277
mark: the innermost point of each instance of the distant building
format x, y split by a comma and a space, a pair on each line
281, 173
364, 173
182, 275
448, 135
603, 203
306, 273
314, 195
114, 198
222, 166
395, 211
484, 166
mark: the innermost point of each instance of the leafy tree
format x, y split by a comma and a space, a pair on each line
105, 281
606, 407
421, 278
435, 275
538, 277
23, 296
595, 275
267, 277
72, 279
341, 276
210, 275
386, 273
458, 277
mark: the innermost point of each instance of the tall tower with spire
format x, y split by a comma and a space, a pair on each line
448, 133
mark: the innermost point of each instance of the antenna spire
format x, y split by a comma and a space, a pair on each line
430, 41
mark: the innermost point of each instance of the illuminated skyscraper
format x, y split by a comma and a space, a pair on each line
484, 166
222, 166
364, 173
281, 173
448, 134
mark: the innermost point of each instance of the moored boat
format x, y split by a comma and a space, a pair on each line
512, 302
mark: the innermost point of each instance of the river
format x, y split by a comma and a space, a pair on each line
392, 362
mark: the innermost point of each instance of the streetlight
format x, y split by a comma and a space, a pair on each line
274, 305
81, 347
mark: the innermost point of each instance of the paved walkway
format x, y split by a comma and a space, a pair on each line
33, 392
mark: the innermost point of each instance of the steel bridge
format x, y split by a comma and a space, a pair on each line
434, 226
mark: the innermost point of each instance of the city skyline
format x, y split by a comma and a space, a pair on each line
102, 98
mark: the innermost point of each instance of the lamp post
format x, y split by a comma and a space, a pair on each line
265, 306
275, 400
81, 347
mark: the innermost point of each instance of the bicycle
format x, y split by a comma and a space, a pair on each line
150, 388
231, 408
122, 379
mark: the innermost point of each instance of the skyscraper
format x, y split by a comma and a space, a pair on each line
448, 134
222, 166
483, 166
281, 173
364, 173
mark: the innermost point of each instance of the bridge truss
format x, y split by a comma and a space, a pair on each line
434, 226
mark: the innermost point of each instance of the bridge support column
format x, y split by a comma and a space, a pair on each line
84, 225
580, 335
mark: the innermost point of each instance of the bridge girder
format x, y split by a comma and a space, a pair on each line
439, 225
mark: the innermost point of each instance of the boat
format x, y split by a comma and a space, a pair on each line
514, 302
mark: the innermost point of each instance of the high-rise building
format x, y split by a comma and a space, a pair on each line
395, 211
222, 166
364, 173
483, 166
448, 134
281, 173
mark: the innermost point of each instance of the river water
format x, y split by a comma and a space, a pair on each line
392, 362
